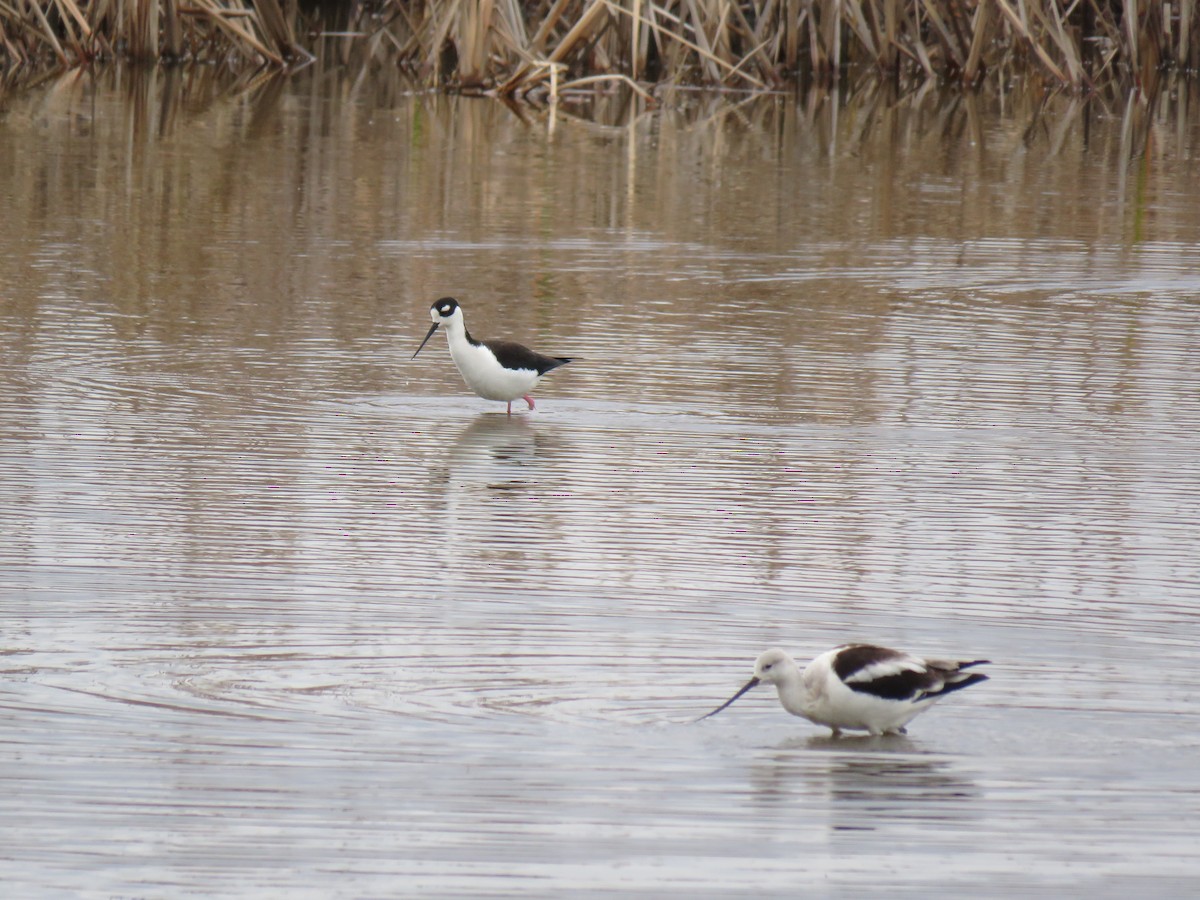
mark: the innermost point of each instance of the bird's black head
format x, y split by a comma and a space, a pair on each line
441, 311
443, 308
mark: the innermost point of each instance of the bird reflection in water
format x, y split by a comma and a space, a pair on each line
499, 452
865, 782
494, 477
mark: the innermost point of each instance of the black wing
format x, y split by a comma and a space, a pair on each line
512, 355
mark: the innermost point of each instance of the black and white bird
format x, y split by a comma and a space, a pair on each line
495, 370
859, 687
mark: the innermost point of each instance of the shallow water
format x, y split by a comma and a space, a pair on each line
287, 612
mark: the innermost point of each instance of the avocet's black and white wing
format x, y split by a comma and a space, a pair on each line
894, 675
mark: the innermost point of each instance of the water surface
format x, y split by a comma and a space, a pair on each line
287, 612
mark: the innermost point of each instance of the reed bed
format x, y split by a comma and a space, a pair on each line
539, 47
76, 32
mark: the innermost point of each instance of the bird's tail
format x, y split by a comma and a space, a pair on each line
953, 678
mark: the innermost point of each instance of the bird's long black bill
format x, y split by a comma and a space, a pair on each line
432, 329
753, 682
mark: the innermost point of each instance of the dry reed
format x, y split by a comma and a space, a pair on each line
515, 47
76, 32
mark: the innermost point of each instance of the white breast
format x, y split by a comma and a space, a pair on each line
484, 374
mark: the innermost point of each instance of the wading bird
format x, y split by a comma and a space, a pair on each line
495, 370
859, 687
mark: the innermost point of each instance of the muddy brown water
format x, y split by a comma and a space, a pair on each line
286, 613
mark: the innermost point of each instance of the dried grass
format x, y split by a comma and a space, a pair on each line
515, 47
75, 32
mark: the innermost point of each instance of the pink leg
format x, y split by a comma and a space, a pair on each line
510, 407
528, 400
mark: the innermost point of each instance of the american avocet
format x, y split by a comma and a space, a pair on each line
859, 687
495, 370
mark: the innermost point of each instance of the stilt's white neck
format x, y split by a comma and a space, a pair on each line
456, 330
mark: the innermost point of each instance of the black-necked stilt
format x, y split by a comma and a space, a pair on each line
859, 686
495, 370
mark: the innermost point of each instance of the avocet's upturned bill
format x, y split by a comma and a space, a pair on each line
859, 687
495, 370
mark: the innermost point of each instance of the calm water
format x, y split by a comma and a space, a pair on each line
287, 613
